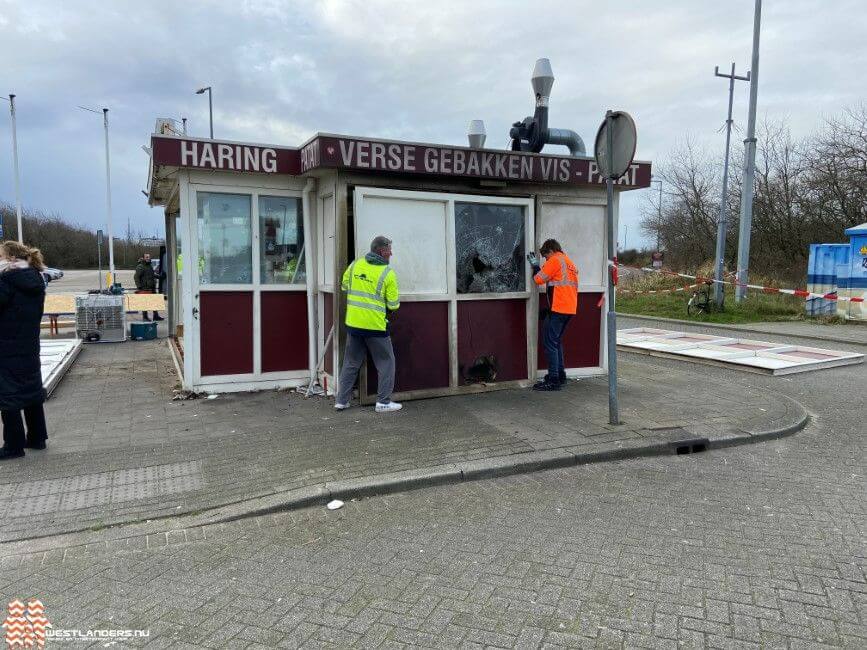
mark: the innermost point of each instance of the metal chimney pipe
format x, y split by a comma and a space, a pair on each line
476, 134
542, 81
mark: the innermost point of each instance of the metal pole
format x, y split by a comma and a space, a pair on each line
15, 165
611, 320
749, 166
211, 111
108, 199
184, 122
722, 227
99, 258
659, 214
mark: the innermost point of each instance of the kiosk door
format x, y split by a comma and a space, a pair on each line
249, 299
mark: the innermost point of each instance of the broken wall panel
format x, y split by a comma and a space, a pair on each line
489, 248
492, 333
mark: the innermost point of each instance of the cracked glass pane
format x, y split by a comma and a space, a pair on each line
489, 247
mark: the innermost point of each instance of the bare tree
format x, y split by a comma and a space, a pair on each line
806, 191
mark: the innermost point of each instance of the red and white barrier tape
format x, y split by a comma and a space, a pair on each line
800, 293
686, 288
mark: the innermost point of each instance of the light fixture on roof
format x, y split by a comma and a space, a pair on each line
476, 133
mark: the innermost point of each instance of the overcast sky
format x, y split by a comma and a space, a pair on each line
281, 71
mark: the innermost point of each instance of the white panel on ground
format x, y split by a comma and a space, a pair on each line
418, 230
746, 354
56, 358
579, 229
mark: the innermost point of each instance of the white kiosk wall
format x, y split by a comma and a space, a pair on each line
580, 229
417, 229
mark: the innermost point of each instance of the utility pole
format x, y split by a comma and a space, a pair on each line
718, 290
658, 210
749, 166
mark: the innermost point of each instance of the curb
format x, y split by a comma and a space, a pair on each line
737, 328
383, 484
523, 463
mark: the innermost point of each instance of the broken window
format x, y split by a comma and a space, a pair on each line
489, 248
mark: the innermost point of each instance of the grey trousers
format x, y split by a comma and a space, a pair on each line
356, 351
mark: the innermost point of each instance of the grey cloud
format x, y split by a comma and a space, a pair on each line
415, 70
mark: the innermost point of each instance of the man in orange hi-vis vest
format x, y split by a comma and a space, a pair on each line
561, 276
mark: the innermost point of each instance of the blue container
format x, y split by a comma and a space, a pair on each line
142, 331
822, 275
857, 281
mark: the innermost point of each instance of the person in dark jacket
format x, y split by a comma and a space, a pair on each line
161, 276
22, 300
146, 281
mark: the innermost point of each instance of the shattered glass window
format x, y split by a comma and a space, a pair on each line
489, 243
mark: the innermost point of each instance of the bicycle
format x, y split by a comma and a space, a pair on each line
699, 301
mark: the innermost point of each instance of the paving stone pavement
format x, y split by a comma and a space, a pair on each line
759, 546
120, 450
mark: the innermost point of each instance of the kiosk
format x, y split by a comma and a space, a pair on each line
259, 237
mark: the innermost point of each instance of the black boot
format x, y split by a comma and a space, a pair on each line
546, 385
144, 316
34, 444
8, 454
157, 316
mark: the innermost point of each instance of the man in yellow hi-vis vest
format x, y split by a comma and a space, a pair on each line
371, 293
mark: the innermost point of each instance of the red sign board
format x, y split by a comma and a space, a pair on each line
225, 156
390, 157
408, 158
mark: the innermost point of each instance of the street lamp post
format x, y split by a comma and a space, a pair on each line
201, 91
11, 101
107, 192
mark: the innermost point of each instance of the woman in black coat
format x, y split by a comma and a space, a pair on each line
22, 300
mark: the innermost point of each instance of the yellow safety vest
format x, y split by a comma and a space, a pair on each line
371, 290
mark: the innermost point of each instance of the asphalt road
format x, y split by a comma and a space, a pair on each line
749, 547
81, 281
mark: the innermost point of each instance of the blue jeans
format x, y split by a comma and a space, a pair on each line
552, 340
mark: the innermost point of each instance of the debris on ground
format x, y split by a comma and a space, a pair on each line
180, 394
337, 504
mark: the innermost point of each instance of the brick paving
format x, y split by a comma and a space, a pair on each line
120, 450
759, 546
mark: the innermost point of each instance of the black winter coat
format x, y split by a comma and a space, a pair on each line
145, 278
22, 300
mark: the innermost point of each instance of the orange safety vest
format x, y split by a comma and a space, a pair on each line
560, 273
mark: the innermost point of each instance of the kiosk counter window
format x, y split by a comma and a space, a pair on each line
281, 240
225, 238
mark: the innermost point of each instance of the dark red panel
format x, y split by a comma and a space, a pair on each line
583, 336
420, 336
226, 330
284, 330
327, 322
493, 327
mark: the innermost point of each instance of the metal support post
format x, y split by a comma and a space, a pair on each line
722, 226
15, 168
611, 319
749, 166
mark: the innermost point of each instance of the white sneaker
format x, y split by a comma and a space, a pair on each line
386, 408
340, 407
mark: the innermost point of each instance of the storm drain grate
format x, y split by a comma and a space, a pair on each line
693, 446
